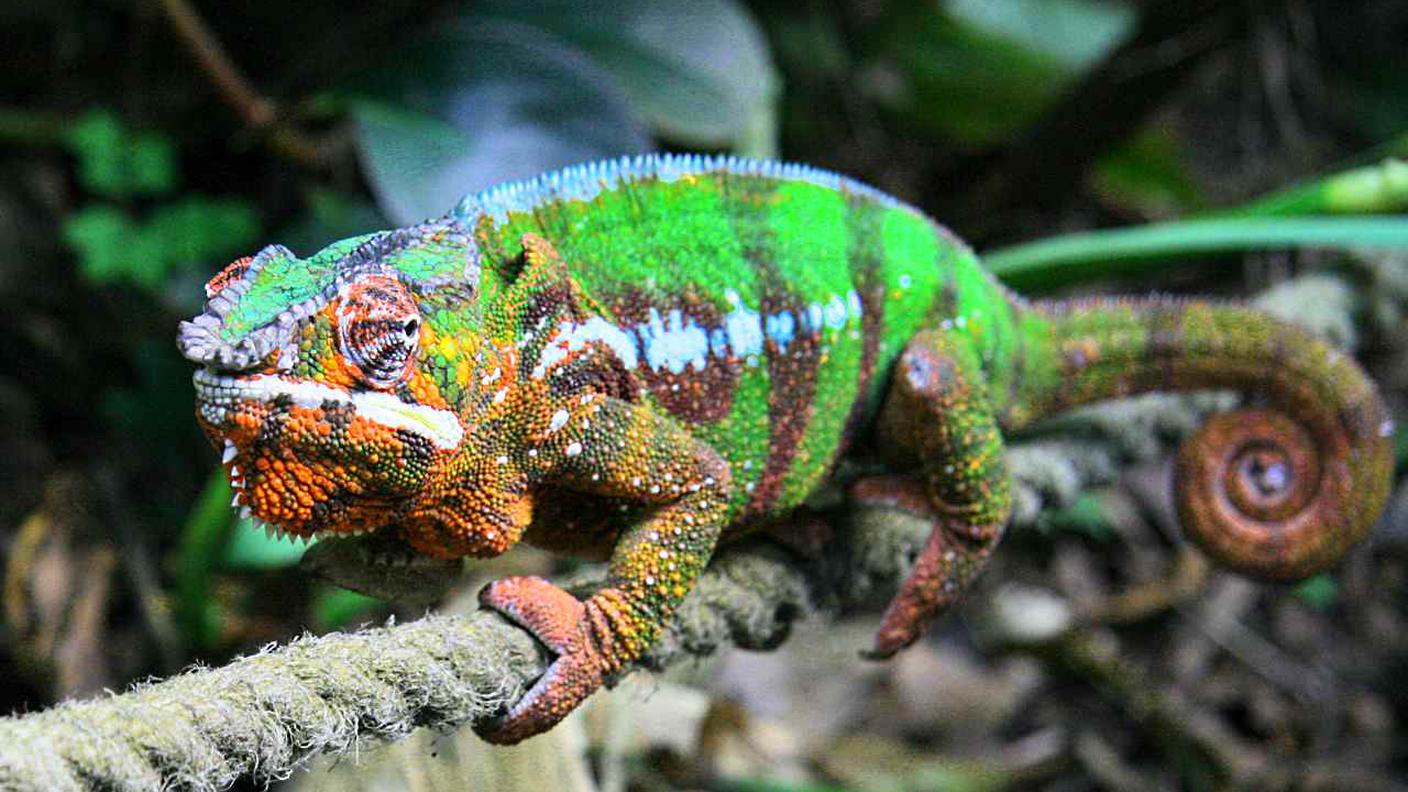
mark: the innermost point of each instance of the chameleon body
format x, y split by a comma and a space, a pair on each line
637, 359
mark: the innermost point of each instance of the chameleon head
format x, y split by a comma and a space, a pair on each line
318, 381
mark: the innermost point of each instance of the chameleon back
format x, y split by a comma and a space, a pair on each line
761, 304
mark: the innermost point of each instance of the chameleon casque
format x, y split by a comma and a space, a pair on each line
636, 359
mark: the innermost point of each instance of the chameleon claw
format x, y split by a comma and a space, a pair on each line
559, 620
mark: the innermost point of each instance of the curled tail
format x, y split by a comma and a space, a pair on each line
1281, 491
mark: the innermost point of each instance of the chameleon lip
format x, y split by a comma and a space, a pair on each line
217, 392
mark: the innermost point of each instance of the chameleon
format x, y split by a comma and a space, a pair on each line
637, 359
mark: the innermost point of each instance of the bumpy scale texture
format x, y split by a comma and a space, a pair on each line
633, 360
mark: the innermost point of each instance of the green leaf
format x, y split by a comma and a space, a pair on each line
470, 106
334, 608
1319, 592
112, 247
117, 163
201, 540
251, 548
978, 71
1073, 33
104, 238
1150, 175
1086, 517
199, 231
697, 70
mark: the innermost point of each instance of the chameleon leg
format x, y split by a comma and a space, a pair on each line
623, 451
938, 416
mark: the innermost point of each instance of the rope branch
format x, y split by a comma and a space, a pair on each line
262, 716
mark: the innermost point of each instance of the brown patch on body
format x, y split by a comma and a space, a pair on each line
693, 395
791, 399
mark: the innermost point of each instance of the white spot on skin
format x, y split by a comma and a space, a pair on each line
500, 395
493, 376
673, 341
573, 449
836, 313
558, 420
743, 328
502, 459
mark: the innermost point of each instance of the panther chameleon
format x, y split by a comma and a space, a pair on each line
640, 358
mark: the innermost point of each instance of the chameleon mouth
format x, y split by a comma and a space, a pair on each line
217, 394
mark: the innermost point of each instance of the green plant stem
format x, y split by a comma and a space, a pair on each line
1373, 189
1127, 251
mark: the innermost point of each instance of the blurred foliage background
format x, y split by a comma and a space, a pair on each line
143, 144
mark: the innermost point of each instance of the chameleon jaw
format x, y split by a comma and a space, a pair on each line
306, 459
229, 458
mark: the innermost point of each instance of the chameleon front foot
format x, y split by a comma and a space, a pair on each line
560, 621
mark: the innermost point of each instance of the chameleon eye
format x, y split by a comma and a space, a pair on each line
378, 329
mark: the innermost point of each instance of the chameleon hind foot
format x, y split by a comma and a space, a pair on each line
938, 414
943, 568
561, 622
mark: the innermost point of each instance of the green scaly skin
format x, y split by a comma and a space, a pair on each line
633, 360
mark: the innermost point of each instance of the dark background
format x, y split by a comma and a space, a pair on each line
145, 144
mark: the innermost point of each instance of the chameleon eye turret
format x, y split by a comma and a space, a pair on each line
378, 330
